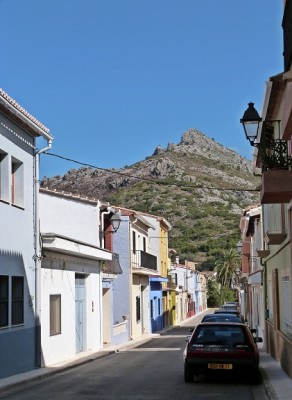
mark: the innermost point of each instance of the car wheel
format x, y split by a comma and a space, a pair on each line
255, 377
188, 375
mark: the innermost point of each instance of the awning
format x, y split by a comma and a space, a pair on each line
157, 279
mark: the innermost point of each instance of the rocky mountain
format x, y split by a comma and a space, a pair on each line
198, 185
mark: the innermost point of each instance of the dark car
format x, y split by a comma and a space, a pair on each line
229, 307
222, 317
232, 312
221, 347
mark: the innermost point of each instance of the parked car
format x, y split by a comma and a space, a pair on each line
229, 307
232, 312
232, 303
221, 347
222, 317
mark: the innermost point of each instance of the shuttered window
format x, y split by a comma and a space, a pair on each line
4, 293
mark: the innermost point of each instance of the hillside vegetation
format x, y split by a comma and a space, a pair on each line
198, 185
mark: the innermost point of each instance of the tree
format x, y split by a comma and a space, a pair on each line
214, 298
226, 267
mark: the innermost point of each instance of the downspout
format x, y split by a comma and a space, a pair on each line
101, 243
38, 254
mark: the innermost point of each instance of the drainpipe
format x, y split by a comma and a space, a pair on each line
37, 255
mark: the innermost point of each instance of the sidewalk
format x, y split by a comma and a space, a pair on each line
277, 384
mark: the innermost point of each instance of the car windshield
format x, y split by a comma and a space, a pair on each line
219, 334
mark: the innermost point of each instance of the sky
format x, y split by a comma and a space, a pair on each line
113, 79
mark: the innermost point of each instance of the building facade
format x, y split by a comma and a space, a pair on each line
18, 246
273, 156
71, 276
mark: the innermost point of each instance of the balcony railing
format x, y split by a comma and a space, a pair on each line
141, 259
273, 152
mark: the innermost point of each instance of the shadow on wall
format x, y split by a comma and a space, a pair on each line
17, 322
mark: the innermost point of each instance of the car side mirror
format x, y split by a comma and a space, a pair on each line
187, 339
258, 339
191, 329
253, 330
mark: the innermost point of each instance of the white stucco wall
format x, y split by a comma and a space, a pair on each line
74, 219
77, 221
17, 246
58, 278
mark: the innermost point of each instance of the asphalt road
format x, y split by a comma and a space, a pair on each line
153, 371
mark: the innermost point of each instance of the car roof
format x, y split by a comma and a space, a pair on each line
229, 314
223, 323
221, 315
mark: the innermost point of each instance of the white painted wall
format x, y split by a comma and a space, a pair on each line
74, 219
56, 280
78, 221
17, 246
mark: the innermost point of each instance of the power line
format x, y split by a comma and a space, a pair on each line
181, 185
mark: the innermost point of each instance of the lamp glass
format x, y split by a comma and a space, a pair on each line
239, 246
115, 221
251, 121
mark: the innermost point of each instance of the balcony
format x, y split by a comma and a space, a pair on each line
142, 260
112, 266
275, 237
262, 253
276, 172
276, 187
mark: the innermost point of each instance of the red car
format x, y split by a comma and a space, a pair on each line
222, 347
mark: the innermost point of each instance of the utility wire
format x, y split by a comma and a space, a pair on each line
150, 180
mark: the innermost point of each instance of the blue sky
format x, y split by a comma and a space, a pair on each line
112, 79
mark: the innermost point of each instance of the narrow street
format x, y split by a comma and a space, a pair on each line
153, 370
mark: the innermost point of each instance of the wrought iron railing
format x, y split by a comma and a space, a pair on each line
273, 152
141, 259
274, 155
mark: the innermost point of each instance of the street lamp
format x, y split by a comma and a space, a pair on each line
250, 122
115, 223
239, 247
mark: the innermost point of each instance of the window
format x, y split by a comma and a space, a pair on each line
17, 301
151, 309
286, 299
134, 241
144, 244
55, 314
11, 180
159, 307
4, 177
17, 182
138, 308
11, 300
4, 292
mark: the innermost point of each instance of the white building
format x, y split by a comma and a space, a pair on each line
71, 276
18, 248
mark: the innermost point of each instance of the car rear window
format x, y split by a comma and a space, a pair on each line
222, 319
230, 335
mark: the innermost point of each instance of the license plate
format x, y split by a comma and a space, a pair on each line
219, 366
